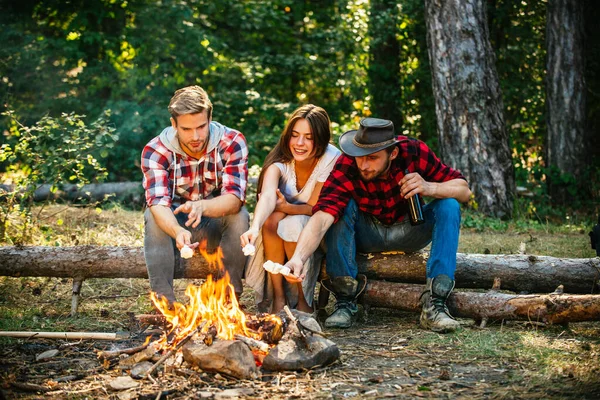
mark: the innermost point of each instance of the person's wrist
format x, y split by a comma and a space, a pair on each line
180, 230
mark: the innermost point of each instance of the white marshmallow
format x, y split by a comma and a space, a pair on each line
249, 249
276, 268
186, 252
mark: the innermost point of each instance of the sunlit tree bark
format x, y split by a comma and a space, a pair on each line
471, 128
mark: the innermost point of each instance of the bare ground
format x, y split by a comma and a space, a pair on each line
384, 355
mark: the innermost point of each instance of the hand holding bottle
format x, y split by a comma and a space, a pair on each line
415, 207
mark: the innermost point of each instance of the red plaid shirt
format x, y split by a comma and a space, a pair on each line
381, 198
220, 171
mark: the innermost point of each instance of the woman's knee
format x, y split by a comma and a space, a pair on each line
272, 223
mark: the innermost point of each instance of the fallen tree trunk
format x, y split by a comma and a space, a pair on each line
93, 191
82, 262
519, 273
546, 308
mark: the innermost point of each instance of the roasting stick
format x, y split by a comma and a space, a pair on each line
67, 335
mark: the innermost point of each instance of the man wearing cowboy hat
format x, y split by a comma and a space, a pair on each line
365, 202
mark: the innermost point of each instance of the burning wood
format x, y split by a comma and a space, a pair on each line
253, 343
214, 334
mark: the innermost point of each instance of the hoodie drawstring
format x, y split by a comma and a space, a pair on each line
174, 176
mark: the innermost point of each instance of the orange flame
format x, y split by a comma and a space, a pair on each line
213, 303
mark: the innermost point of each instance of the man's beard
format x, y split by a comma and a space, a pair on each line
386, 169
201, 150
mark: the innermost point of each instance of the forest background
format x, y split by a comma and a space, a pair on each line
86, 84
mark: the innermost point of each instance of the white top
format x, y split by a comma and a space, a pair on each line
287, 182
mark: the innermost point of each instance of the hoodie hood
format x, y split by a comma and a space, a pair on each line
169, 138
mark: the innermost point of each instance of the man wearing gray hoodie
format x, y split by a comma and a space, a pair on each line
195, 177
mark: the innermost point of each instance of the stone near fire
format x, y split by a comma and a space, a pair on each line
47, 354
292, 353
140, 369
229, 357
234, 393
144, 355
123, 383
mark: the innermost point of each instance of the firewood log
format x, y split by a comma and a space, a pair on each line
546, 308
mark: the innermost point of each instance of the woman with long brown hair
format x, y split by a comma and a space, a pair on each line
288, 186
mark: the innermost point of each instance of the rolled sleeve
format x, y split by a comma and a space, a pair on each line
337, 190
235, 170
155, 168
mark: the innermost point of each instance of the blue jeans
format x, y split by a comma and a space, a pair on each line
358, 231
162, 256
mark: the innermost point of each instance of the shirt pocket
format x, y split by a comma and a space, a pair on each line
184, 180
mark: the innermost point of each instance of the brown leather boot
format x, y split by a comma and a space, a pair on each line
435, 314
346, 290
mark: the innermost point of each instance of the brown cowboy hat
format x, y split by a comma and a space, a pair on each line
373, 135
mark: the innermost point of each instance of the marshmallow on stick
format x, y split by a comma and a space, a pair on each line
276, 268
186, 252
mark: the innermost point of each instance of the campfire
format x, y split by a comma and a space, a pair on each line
213, 306
213, 333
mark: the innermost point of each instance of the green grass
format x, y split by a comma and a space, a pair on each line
515, 358
535, 354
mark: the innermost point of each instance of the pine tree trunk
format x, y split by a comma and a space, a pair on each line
592, 81
554, 308
469, 106
565, 96
519, 273
384, 62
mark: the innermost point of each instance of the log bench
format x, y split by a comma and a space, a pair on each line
517, 273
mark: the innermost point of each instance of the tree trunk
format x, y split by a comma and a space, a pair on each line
565, 97
550, 308
93, 191
472, 134
592, 82
88, 262
517, 273
384, 62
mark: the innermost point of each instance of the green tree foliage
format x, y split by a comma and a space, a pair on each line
384, 71
259, 60
52, 151
517, 34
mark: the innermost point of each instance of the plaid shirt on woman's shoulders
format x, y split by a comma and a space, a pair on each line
381, 198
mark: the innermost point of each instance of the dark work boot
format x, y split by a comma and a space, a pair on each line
346, 290
435, 314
